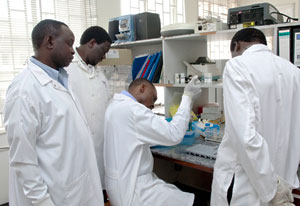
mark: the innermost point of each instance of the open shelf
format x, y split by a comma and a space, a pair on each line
267, 29
217, 84
163, 85
130, 44
198, 37
226, 34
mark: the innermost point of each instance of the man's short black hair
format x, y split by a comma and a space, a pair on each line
95, 32
44, 28
138, 82
248, 35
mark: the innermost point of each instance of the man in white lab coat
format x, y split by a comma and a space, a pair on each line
52, 157
130, 129
259, 155
90, 86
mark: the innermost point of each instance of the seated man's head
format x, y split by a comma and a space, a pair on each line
53, 43
144, 92
245, 38
94, 44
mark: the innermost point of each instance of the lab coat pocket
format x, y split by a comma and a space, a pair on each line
80, 190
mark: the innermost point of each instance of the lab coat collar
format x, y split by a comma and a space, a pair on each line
42, 76
126, 93
53, 73
123, 97
86, 68
256, 48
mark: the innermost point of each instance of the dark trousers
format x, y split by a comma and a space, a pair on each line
229, 191
105, 197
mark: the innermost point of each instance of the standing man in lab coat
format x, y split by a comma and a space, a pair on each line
130, 129
90, 86
258, 158
52, 157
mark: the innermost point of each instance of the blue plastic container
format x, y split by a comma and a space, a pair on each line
169, 119
189, 138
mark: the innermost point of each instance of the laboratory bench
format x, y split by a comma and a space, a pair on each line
173, 163
178, 155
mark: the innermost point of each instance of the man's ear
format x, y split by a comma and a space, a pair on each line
91, 43
142, 88
49, 41
237, 46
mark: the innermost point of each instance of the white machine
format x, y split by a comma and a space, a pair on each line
209, 24
177, 29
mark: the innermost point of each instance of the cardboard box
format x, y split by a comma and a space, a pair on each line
117, 57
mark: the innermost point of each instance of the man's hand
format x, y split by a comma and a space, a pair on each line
193, 87
283, 196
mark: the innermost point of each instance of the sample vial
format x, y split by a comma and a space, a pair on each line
215, 132
208, 131
182, 78
208, 78
177, 78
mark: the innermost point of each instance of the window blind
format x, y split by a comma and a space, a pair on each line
17, 19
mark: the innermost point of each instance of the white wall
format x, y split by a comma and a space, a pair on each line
289, 7
191, 11
3, 170
107, 10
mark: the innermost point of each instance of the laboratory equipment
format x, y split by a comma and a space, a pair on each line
212, 131
177, 78
122, 28
202, 68
207, 129
202, 150
134, 27
182, 78
147, 25
208, 78
209, 24
177, 29
255, 14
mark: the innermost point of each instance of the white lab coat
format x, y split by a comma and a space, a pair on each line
130, 130
90, 88
52, 158
261, 141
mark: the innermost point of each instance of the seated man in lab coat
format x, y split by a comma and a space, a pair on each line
52, 157
258, 158
90, 86
130, 129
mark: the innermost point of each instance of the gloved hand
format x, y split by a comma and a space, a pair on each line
193, 87
283, 196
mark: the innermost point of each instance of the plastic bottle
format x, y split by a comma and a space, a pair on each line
177, 78
208, 78
182, 78
215, 131
208, 131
